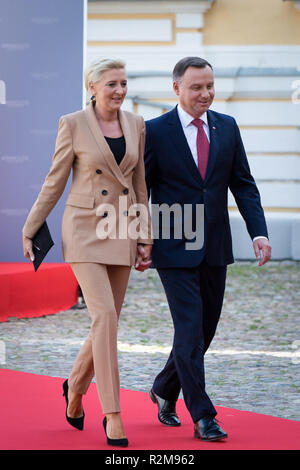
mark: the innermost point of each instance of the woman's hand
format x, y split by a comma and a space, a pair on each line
142, 259
27, 248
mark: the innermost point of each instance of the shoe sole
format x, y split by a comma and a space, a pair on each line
212, 439
156, 403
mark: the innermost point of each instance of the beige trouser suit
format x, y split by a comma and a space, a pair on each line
103, 287
101, 199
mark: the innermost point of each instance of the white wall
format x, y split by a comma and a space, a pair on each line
255, 84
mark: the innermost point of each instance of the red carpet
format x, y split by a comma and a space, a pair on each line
32, 418
25, 293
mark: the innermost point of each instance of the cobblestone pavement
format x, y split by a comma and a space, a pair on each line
253, 362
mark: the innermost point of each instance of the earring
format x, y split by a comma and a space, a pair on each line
92, 97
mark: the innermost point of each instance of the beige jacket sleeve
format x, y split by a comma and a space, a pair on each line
140, 189
55, 182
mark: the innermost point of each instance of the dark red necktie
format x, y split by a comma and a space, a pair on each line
202, 147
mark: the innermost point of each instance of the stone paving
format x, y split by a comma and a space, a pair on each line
253, 362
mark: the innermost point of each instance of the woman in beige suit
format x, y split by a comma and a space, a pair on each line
104, 146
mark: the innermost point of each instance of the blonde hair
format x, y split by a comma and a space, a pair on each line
96, 68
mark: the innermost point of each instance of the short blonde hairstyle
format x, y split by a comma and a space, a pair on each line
96, 68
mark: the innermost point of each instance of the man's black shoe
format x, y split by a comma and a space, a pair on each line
208, 429
166, 410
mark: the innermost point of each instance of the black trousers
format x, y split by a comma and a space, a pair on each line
195, 297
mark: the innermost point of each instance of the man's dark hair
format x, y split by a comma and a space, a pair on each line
187, 62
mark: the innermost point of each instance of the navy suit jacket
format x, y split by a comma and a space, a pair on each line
173, 178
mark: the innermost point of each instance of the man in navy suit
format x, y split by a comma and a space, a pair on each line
192, 157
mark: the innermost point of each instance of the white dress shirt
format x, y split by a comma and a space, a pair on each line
190, 132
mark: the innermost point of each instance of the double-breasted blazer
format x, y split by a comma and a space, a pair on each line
102, 192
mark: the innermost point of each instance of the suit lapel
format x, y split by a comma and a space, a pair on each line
103, 145
214, 138
178, 139
124, 123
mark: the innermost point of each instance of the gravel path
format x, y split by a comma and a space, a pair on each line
253, 362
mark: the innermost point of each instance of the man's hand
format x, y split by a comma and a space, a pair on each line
142, 259
262, 244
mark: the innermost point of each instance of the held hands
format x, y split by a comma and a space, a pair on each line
142, 259
27, 248
262, 244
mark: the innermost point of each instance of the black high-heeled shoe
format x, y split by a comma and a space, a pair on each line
114, 442
75, 422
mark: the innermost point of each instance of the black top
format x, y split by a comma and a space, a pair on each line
117, 146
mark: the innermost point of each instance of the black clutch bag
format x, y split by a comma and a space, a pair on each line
42, 242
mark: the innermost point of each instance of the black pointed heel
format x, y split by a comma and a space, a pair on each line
114, 442
75, 422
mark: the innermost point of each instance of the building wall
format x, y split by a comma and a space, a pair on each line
255, 22
254, 47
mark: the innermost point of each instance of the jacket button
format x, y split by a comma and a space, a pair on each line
99, 172
104, 192
204, 190
125, 191
105, 214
